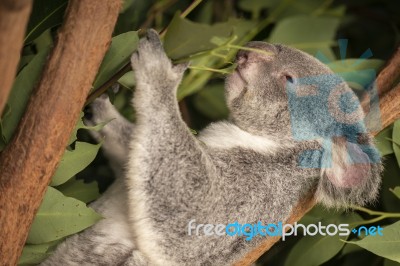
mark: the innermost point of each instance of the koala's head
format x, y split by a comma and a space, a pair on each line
257, 93
277, 90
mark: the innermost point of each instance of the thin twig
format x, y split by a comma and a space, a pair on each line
99, 91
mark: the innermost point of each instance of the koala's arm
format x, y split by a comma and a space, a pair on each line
162, 140
167, 163
115, 135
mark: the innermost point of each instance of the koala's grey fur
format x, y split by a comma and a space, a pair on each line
245, 169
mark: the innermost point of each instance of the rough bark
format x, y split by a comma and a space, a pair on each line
389, 104
14, 15
30, 160
388, 77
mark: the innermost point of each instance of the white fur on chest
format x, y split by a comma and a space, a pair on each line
224, 135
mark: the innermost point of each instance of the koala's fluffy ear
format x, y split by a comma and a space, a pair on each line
350, 174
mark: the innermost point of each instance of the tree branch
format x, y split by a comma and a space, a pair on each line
14, 15
388, 77
389, 112
29, 161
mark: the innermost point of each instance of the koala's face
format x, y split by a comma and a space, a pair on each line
257, 91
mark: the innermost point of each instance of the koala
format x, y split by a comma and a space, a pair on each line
294, 128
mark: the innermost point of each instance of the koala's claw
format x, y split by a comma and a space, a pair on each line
154, 39
97, 111
152, 66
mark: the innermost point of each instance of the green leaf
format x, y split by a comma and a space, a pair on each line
396, 191
74, 161
390, 263
390, 180
315, 250
35, 254
256, 6
81, 125
121, 49
387, 245
60, 216
348, 249
310, 34
210, 101
383, 141
312, 8
25, 60
185, 38
319, 212
78, 189
45, 15
78, 126
359, 73
19, 96
396, 140
128, 80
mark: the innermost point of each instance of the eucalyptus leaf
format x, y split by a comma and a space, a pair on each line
34, 254
74, 161
359, 73
319, 212
24, 60
81, 125
315, 250
60, 216
20, 93
390, 180
128, 80
390, 263
45, 15
78, 189
387, 245
119, 53
383, 141
185, 38
396, 191
78, 126
256, 6
314, 8
310, 34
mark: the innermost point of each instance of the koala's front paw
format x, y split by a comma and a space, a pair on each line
152, 66
100, 110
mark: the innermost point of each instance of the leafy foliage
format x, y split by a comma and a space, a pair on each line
52, 224
209, 39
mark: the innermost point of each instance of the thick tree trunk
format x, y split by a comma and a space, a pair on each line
389, 111
388, 77
14, 15
29, 161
